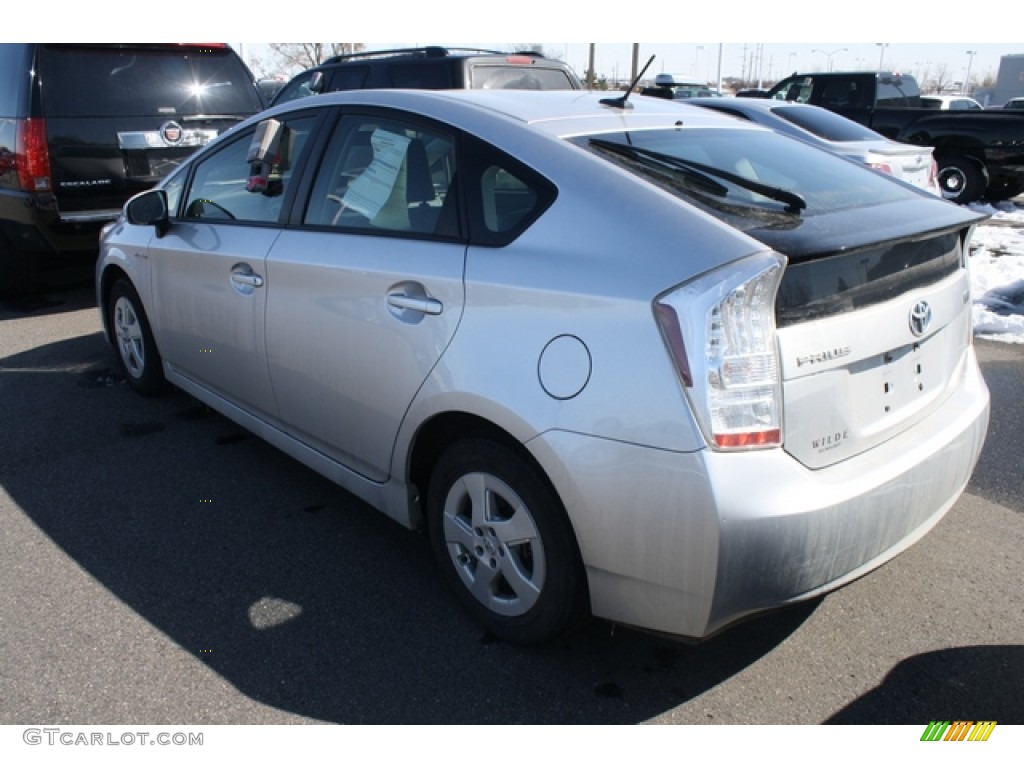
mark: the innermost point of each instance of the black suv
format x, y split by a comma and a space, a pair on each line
84, 127
432, 68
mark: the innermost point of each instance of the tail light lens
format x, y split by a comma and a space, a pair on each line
883, 167
720, 333
32, 156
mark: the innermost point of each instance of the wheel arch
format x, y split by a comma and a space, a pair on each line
110, 275
446, 428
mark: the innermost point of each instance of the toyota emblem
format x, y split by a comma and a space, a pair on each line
920, 318
171, 132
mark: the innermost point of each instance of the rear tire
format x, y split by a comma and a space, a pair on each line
136, 351
961, 179
1006, 189
504, 543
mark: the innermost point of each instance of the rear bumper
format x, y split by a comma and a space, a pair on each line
689, 543
32, 224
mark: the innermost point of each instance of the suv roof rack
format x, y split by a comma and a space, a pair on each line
430, 51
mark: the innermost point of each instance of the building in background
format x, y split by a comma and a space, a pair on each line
1009, 82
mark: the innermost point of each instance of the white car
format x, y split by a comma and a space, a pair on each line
828, 130
941, 101
622, 357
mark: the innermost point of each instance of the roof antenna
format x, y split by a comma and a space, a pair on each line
620, 101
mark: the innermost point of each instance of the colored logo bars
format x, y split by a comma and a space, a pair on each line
959, 730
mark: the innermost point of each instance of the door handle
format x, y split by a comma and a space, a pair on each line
424, 304
253, 280
246, 281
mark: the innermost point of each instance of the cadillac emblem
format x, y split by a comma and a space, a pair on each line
920, 318
171, 133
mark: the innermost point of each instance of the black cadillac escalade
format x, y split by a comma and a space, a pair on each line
84, 127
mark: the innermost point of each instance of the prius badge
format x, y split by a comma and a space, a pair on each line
920, 318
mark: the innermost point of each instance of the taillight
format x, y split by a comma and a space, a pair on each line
32, 156
720, 334
883, 167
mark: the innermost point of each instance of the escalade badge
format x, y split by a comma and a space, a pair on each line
920, 318
171, 132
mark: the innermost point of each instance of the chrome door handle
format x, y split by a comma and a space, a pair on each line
424, 304
253, 280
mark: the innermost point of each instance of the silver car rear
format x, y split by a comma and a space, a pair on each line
644, 361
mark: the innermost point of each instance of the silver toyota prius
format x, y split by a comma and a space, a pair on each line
623, 358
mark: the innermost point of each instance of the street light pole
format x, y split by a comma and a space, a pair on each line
966, 89
829, 55
881, 55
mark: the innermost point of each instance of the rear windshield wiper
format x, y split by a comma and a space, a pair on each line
794, 202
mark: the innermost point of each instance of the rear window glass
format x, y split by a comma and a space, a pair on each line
739, 173
898, 93
523, 78
106, 82
827, 125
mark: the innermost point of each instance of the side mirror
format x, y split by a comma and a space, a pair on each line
147, 208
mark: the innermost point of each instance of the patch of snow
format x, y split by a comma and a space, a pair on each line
997, 273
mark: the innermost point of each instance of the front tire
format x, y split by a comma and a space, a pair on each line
137, 355
961, 179
505, 545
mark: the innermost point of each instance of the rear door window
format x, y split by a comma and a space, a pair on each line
435, 75
84, 81
386, 175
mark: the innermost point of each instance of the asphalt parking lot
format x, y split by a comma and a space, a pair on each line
160, 565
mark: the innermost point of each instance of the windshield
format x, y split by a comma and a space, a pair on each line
161, 81
748, 173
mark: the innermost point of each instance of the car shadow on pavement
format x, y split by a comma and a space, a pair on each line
79, 295
297, 594
981, 682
